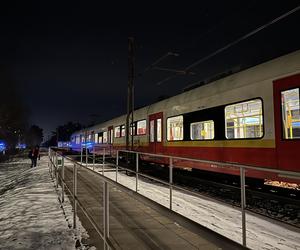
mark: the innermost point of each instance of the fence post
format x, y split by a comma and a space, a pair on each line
171, 181
86, 155
243, 204
56, 170
137, 172
117, 164
81, 149
63, 180
93, 158
103, 161
74, 195
105, 213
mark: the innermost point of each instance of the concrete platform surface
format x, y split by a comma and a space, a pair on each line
136, 222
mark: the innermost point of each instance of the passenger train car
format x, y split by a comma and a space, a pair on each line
251, 117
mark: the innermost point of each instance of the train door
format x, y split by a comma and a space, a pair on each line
287, 121
156, 133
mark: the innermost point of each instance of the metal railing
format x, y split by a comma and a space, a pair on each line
171, 165
172, 159
57, 172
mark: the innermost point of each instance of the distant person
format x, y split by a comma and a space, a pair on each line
30, 156
35, 155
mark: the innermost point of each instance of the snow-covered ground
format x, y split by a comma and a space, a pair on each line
31, 216
222, 218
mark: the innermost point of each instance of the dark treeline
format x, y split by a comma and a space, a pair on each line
14, 127
63, 133
13, 117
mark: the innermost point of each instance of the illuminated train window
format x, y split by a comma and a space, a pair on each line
141, 127
104, 137
122, 130
175, 128
77, 139
117, 132
244, 120
158, 130
96, 138
152, 131
290, 111
202, 130
133, 128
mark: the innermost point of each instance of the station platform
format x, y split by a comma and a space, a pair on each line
136, 222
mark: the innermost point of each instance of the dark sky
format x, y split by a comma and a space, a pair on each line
69, 60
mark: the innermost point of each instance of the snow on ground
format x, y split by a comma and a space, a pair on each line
219, 217
31, 216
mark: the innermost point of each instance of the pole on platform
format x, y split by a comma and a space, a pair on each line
171, 181
130, 88
243, 204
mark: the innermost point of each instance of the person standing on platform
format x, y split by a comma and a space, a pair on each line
35, 155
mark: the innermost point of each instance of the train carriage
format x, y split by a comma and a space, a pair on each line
251, 117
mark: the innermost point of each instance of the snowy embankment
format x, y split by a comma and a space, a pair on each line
31, 216
262, 233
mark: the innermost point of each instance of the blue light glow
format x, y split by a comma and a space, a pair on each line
2, 146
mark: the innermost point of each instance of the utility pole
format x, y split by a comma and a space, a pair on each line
130, 92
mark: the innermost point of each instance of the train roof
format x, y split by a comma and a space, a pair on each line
273, 69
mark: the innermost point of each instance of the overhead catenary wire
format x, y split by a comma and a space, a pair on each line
253, 32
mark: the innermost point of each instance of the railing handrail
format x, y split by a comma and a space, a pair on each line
291, 174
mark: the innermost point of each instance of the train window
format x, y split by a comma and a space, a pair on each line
111, 137
122, 130
141, 127
290, 114
82, 139
77, 140
158, 130
202, 130
104, 137
96, 138
175, 128
133, 128
117, 132
89, 137
152, 131
244, 120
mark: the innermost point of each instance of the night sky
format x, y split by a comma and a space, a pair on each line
69, 60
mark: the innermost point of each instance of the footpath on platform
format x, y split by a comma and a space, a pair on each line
31, 216
136, 222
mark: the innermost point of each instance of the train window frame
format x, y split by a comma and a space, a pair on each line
122, 130
206, 121
167, 127
281, 114
133, 128
151, 131
263, 119
115, 131
136, 130
105, 136
159, 130
96, 138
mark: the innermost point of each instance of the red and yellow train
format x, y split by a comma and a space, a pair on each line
251, 117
